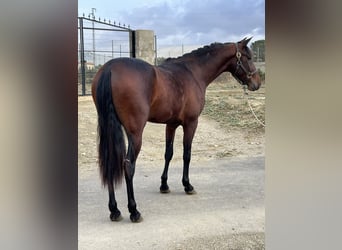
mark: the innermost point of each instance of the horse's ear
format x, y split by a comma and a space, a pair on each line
245, 41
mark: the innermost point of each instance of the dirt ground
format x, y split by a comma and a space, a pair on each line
218, 135
227, 135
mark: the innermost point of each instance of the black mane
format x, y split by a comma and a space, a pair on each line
196, 53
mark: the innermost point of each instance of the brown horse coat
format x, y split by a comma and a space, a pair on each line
129, 92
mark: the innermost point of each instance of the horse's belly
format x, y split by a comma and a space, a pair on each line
162, 117
164, 114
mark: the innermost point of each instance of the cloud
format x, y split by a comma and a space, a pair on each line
199, 22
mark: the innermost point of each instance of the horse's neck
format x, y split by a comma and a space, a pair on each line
213, 65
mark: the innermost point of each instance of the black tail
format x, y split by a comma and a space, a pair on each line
112, 149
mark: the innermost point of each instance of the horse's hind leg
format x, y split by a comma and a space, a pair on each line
115, 214
170, 136
134, 146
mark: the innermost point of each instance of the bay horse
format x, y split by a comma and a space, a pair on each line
129, 92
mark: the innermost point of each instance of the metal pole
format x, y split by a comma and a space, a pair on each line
132, 43
93, 16
82, 57
112, 48
155, 50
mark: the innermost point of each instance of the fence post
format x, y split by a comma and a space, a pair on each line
82, 57
144, 45
132, 43
155, 51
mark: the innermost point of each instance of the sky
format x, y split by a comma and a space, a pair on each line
192, 23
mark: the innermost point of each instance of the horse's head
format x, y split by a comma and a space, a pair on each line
245, 71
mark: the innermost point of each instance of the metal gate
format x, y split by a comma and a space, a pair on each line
98, 42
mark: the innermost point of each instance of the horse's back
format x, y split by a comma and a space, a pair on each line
130, 75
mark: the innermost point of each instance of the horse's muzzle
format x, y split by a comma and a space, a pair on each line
253, 87
254, 83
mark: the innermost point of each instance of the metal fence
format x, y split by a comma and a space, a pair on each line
99, 41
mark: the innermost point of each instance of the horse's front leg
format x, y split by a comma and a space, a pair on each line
189, 132
170, 136
134, 145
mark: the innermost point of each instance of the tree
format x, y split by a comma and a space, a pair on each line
258, 48
160, 60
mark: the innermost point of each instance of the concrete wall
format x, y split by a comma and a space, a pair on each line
144, 45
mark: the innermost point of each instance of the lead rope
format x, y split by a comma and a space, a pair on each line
250, 107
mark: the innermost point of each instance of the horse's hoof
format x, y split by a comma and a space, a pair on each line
136, 218
164, 189
190, 190
115, 216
